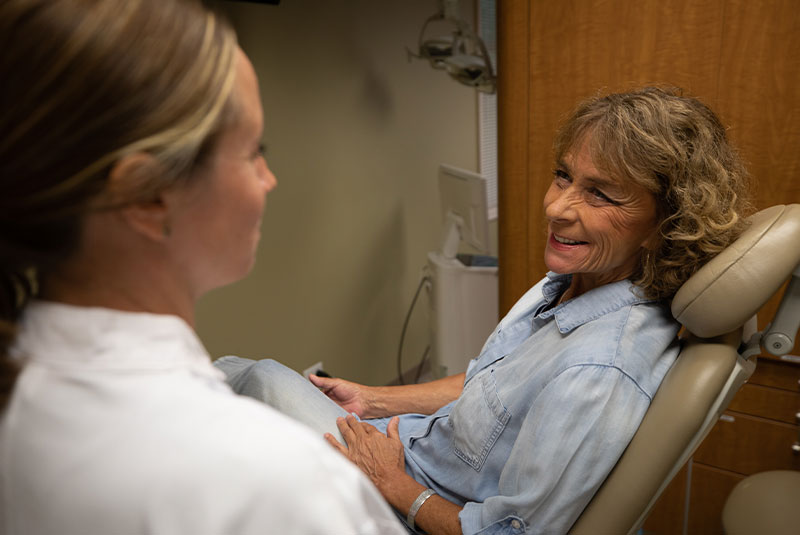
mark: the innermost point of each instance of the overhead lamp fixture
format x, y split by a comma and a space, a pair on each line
462, 53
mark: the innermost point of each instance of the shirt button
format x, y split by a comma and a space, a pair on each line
515, 524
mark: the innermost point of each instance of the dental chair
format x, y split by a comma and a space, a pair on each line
716, 306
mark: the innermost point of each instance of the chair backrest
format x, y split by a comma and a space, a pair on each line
713, 305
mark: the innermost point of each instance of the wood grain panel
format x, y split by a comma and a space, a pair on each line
513, 122
709, 489
748, 444
760, 93
776, 373
767, 402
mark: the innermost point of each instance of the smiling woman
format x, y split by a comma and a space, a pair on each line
646, 189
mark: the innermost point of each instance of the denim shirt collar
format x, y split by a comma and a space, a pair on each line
588, 306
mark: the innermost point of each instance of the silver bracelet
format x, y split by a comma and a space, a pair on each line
412, 513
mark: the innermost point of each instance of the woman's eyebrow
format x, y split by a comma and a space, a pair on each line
594, 180
603, 182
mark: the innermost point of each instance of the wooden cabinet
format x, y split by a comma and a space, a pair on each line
758, 432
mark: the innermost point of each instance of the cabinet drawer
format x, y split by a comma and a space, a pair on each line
748, 444
767, 402
770, 372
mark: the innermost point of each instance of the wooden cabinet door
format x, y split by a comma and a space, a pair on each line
709, 489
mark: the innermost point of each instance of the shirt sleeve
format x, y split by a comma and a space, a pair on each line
572, 436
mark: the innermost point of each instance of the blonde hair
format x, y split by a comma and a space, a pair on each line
676, 148
86, 82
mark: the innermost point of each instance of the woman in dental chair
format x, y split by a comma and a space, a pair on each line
132, 182
645, 190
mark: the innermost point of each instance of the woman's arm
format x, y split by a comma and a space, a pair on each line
382, 459
382, 401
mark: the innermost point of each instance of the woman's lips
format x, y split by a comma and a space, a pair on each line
562, 242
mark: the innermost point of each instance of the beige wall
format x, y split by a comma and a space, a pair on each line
355, 134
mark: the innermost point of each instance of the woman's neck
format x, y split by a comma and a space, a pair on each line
115, 268
140, 293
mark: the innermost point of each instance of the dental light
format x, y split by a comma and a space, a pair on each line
461, 53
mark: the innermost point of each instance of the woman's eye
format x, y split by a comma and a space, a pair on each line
599, 195
561, 176
260, 151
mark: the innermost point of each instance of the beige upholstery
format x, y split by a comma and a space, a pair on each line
726, 292
713, 304
767, 502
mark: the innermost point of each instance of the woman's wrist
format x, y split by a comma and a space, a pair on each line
369, 402
400, 491
375, 401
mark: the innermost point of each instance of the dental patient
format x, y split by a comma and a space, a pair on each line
131, 183
645, 190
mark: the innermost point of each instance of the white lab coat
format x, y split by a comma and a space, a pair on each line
120, 424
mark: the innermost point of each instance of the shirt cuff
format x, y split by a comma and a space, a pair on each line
472, 524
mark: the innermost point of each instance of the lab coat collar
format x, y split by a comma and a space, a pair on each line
86, 338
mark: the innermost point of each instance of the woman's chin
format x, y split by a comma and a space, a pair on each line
557, 266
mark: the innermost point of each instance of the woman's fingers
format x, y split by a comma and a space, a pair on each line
392, 430
347, 426
319, 382
335, 443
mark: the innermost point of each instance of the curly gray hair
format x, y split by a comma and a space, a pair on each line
676, 147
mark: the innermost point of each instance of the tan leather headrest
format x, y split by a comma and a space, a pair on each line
735, 284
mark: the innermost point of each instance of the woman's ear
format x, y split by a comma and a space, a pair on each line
143, 211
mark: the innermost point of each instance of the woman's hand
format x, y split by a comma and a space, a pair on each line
351, 397
383, 401
381, 457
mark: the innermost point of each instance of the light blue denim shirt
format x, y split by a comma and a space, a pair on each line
547, 408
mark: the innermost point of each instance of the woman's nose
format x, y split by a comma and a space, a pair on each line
559, 204
268, 177
272, 182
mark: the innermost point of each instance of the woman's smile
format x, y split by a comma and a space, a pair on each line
566, 241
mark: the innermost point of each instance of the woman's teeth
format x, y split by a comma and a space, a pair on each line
565, 241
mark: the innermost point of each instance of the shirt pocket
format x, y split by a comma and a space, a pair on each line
477, 420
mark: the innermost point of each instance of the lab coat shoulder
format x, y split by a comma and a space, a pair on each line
241, 467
